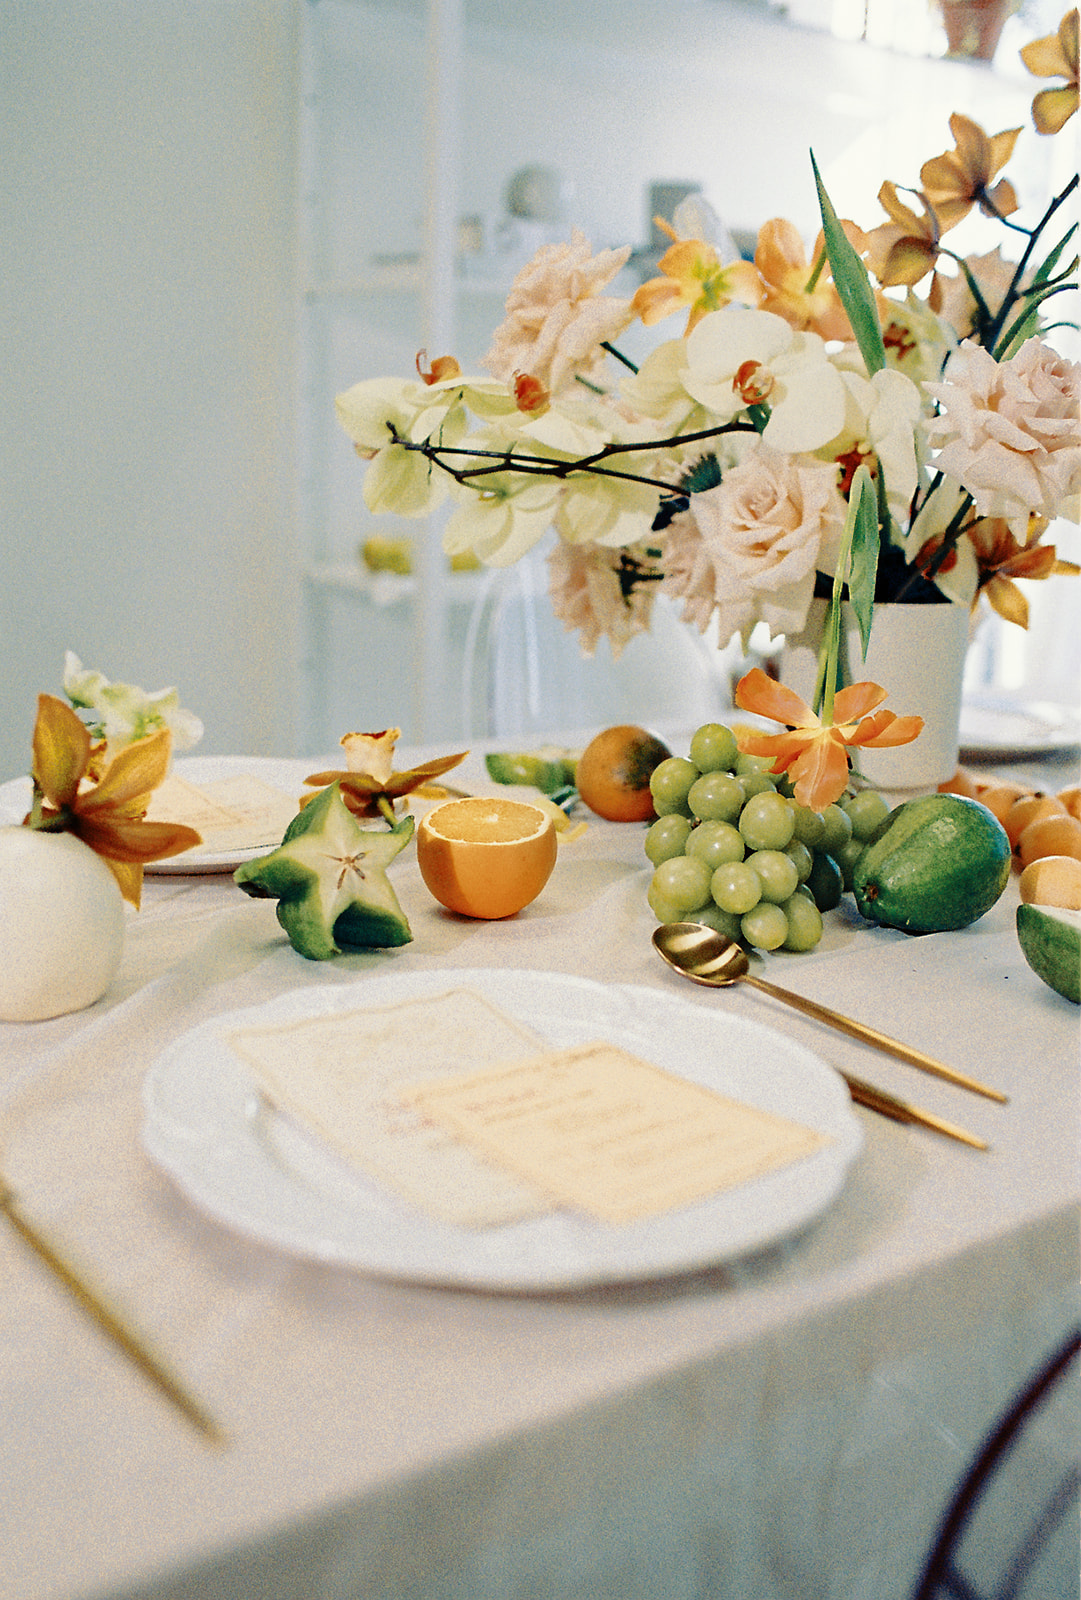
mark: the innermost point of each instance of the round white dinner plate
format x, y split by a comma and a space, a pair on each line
995, 729
208, 1127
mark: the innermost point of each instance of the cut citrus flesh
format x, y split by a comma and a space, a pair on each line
486, 858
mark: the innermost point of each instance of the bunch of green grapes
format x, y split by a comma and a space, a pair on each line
732, 848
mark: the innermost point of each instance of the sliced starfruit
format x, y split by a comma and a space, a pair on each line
548, 769
329, 877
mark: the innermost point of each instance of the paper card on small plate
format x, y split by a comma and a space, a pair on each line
609, 1134
237, 813
339, 1077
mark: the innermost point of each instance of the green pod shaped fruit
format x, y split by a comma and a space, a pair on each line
548, 769
933, 865
329, 877
1050, 940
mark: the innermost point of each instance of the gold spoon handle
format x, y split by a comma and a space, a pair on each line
881, 1041
866, 1094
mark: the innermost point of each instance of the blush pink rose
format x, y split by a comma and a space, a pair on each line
1008, 431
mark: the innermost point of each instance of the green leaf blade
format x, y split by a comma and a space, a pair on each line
852, 281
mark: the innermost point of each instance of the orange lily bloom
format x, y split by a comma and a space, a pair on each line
1055, 56
953, 183
692, 276
782, 261
813, 752
905, 249
107, 815
1000, 558
371, 795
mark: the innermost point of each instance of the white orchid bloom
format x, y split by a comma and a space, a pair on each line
881, 417
605, 511
122, 712
737, 358
502, 517
378, 412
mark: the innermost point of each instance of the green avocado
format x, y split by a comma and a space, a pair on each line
329, 877
1050, 940
934, 864
548, 769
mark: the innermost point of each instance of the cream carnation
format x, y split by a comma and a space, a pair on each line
748, 549
556, 320
1009, 433
587, 595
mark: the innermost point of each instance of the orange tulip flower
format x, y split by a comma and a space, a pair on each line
107, 815
813, 752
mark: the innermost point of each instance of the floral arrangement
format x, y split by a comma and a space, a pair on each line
94, 778
816, 427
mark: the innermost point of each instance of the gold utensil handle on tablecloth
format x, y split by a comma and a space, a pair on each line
875, 1099
109, 1321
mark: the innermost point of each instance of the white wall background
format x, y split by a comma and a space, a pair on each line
147, 188
148, 277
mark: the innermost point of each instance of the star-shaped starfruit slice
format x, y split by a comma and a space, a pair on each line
329, 877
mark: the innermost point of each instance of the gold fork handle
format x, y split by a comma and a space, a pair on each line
869, 1035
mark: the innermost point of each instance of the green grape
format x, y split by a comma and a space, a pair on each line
777, 874
810, 827
746, 765
865, 811
723, 922
667, 837
713, 748
767, 821
716, 797
715, 842
765, 926
736, 887
838, 829
798, 853
804, 923
670, 784
846, 859
757, 783
682, 882
663, 909
825, 881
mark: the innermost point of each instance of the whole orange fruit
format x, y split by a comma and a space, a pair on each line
613, 773
486, 858
1049, 835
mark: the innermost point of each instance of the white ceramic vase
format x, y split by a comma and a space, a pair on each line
61, 925
917, 653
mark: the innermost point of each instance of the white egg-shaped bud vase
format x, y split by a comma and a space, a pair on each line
61, 925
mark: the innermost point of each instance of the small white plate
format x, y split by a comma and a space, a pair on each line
998, 729
249, 1167
286, 775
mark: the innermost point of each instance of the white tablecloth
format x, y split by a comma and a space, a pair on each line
782, 1428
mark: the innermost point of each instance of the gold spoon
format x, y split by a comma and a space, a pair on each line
708, 957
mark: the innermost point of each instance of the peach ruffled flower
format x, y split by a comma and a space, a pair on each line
1055, 56
590, 594
1009, 431
814, 753
747, 550
556, 318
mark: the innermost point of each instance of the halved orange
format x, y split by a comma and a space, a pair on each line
486, 857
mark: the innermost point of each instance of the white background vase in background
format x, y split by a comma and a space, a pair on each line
917, 653
61, 925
